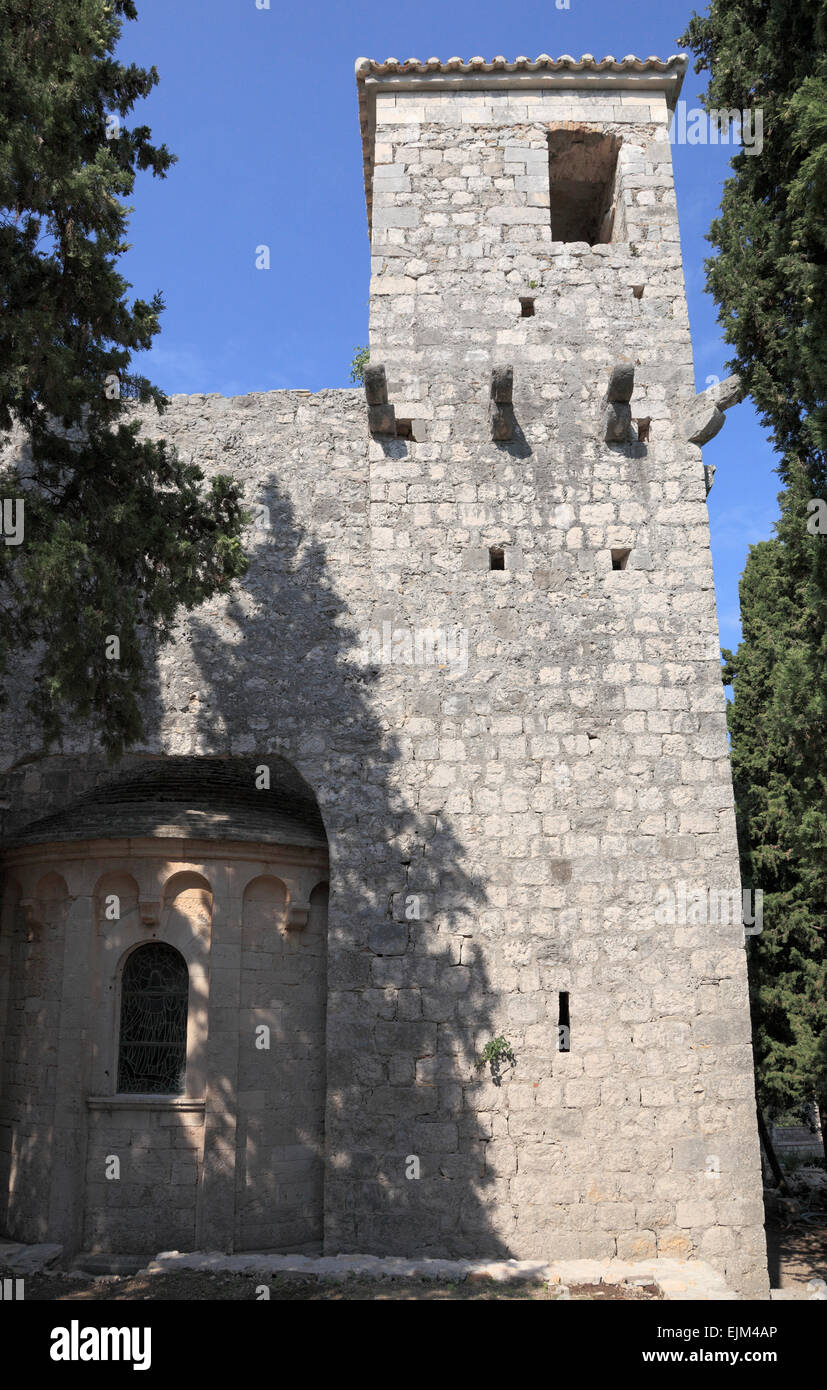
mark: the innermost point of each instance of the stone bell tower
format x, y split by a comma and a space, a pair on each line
472, 682
530, 342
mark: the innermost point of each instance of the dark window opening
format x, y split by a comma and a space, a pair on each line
526, 308
404, 429
637, 291
563, 1023
496, 558
643, 430
620, 559
582, 170
152, 1053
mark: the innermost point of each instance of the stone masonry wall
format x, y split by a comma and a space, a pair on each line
500, 820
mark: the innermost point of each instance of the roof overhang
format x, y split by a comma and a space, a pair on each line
633, 74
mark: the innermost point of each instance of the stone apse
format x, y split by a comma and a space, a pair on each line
472, 683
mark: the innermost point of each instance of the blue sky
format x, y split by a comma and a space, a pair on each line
260, 107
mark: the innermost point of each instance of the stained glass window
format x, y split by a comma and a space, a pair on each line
153, 1045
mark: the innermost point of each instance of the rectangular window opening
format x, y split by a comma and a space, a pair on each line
620, 559
583, 192
404, 429
643, 430
563, 1022
526, 308
496, 558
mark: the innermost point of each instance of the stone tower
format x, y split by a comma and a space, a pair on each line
477, 652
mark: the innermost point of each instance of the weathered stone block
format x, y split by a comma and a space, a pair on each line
617, 423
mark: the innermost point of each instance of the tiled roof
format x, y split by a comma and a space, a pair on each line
368, 67
522, 72
185, 798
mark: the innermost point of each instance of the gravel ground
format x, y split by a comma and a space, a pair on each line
192, 1287
796, 1253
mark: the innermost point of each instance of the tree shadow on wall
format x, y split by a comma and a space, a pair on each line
409, 1003
274, 675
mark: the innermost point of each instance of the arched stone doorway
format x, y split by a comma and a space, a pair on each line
173, 928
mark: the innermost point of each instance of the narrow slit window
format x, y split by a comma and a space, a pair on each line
496, 558
583, 192
563, 1022
620, 559
643, 430
526, 308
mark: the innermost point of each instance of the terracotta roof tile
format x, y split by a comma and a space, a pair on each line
665, 73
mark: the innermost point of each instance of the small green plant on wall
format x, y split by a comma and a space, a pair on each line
357, 366
500, 1057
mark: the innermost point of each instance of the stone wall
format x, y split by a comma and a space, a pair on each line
222, 1164
503, 817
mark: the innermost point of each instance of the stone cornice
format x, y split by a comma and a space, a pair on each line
166, 847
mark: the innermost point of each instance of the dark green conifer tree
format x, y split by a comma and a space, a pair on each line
769, 277
118, 533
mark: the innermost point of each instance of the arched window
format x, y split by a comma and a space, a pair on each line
153, 1040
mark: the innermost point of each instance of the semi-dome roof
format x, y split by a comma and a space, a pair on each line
189, 798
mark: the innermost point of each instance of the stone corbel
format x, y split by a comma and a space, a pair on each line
150, 910
705, 416
298, 916
299, 888
617, 412
381, 415
500, 407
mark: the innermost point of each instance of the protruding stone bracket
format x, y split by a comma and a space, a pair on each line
709, 476
705, 416
381, 414
150, 910
500, 407
297, 908
617, 412
298, 916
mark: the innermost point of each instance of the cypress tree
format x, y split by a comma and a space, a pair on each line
118, 533
769, 277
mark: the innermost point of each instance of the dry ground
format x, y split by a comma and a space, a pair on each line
797, 1252
192, 1287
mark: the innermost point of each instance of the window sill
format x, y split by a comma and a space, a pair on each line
145, 1102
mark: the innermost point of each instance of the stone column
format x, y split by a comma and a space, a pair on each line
215, 1211
67, 1188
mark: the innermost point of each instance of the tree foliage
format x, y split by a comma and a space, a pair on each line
778, 723
769, 276
361, 357
119, 533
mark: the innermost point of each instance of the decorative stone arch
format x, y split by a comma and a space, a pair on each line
116, 897
281, 1062
180, 918
154, 956
187, 847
